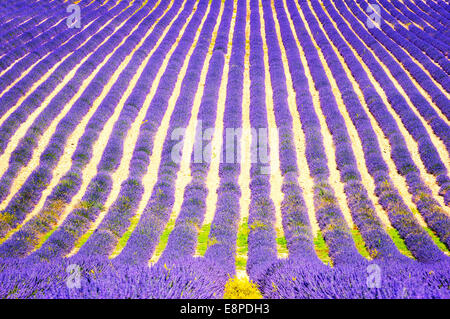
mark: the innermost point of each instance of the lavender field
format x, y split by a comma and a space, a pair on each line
225, 149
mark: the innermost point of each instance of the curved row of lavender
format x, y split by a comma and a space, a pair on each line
34, 36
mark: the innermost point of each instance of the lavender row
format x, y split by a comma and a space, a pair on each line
11, 10
426, 32
156, 214
438, 125
262, 248
224, 226
389, 10
102, 242
24, 151
197, 278
329, 216
438, 44
399, 280
419, 75
428, 206
78, 221
194, 278
296, 224
398, 10
429, 50
36, 54
183, 238
438, 22
116, 221
22, 26
12, 96
361, 207
38, 49
437, 73
21, 14
401, 217
440, 7
29, 194
35, 99
410, 15
433, 10
441, 16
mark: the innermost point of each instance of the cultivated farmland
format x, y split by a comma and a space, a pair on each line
224, 148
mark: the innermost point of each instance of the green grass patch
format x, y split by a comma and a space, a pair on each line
202, 243
83, 239
360, 244
436, 240
281, 243
430, 232
322, 249
164, 238
124, 239
45, 238
399, 242
242, 247
241, 262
